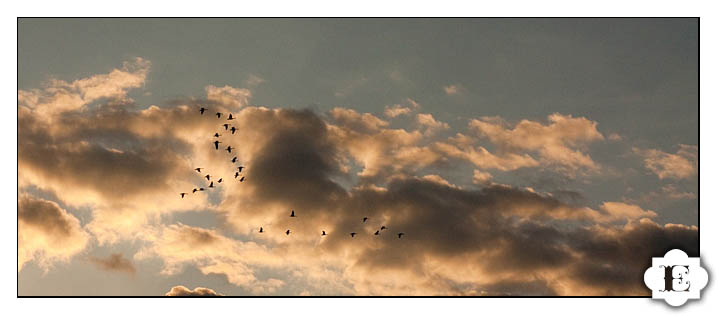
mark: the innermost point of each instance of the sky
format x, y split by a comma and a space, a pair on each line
517, 156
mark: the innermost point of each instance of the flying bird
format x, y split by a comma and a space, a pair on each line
219, 114
240, 168
352, 234
382, 228
233, 129
364, 220
234, 159
201, 110
241, 180
324, 233
292, 214
230, 117
182, 194
229, 149
236, 174
201, 189
377, 233
220, 180
261, 230
194, 190
217, 135
287, 232
207, 176
211, 184
198, 170
216, 144
226, 126
400, 234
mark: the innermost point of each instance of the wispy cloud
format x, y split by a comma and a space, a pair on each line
681, 165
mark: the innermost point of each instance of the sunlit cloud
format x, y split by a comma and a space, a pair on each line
681, 165
181, 290
129, 164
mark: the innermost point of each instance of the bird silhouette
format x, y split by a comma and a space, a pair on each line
241, 180
198, 169
364, 220
377, 233
220, 180
201, 110
382, 228
292, 214
400, 234
217, 135
211, 184
216, 144
234, 159
324, 233
261, 230
226, 126
194, 190
207, 176
229, 149
236, 174
219, 114
230, 117
240, 168
201, 189
233, 129
287, 232
352, 234
182, 194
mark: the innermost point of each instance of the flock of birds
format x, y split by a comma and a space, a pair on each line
324, 233
237, 173
216, 147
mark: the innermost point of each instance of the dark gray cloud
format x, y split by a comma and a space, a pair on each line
504, 230
46, 232
115, 262
45, 215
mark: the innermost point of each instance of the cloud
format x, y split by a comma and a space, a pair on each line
127, 164
233, 98
431, 125
198, 291
401, 109
615, 137
620, 211
452, 89
60, 96
482, 158
481, 177
253, 81
115, 262
47, 233
396, 110
560, 143
681, 165
211, 252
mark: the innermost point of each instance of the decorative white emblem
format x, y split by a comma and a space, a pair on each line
676, 277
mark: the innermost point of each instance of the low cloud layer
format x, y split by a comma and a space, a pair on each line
128, 165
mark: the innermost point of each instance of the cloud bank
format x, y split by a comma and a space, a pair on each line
128, 163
